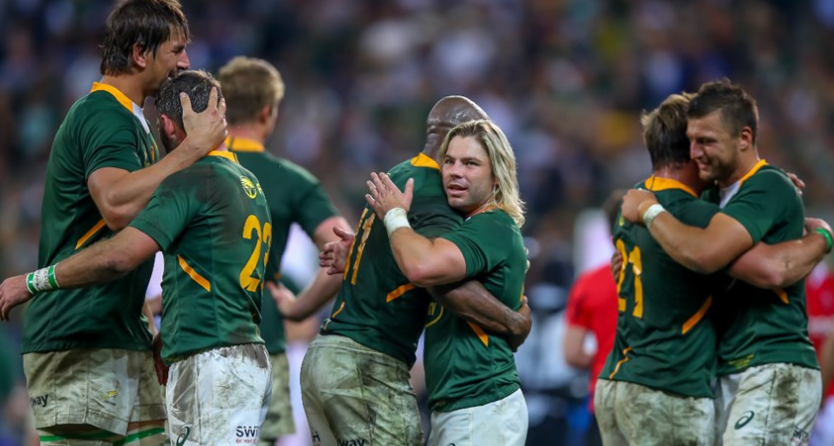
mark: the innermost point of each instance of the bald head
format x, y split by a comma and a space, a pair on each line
447, 113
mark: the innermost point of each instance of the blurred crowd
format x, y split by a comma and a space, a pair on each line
565, 79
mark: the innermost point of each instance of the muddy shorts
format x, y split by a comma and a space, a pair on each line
768, 404
279, 418
631, 414
500, 423
354, 395
219, 396
104, 388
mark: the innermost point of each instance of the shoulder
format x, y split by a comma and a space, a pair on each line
770, 177
495, 222
294, 170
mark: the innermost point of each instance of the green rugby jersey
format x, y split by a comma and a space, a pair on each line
212, 223
377, 306
664, 340
294, 196
102, 129
465, 367
763, 326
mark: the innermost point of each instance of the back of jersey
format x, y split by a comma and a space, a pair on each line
664, 339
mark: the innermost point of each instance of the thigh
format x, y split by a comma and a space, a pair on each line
81, 389
648, 416
605, 398
362, 395
774, 404
149, 404
279, 417
219, 396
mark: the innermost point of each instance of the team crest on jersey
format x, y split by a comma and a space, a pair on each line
249, 187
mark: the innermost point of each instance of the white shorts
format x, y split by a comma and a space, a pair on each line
767, 404
219, 397
500, 423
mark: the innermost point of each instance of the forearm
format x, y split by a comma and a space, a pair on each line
146, 310
472, 302
323, 288
97, 264
780, 265
416, 257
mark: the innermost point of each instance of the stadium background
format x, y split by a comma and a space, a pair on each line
565, 79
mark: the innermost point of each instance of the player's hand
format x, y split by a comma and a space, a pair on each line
797, 182
811, 224
384, 195
334, 255
635, 202
616, 265
13, 292
206, 130
516, 339
159, 366
284, 299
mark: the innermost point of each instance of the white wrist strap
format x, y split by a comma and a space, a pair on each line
395, 219
651, 213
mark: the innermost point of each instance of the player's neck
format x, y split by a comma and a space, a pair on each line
128, 85
746, 162
254, 132
684, 174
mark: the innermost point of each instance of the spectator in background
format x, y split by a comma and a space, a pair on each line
592, 309
819, 296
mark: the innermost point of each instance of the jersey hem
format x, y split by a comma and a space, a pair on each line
480, 400
49, 347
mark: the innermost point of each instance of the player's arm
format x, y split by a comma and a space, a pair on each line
783, 264
702, 250
148, 312
120, 195
425, 262
474, 303
827, 363
573, 345
102, 262
323, 287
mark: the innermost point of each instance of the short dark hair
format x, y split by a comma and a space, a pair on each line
195, 83
147, 23
738, 109
664, 131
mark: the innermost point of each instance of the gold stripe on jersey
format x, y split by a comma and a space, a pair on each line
124, 100
423, 160
341, 307
657, 184
692, 321
194, 275
752, 172
224, 154
620, 362
97, 227
237, 144
480, 332
432, 307
783, 296
399, 292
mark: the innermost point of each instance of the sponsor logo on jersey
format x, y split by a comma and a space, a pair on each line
40, 401
249, 187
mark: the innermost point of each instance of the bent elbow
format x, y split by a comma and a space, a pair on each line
701, 261
116, 220
117, 264
420, 275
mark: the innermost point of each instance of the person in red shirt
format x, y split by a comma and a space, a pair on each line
592, 309
819, 297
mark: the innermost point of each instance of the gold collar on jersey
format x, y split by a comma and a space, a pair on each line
238, 144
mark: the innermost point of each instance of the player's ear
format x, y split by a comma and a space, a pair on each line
266, 113
167, 126
138, 56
